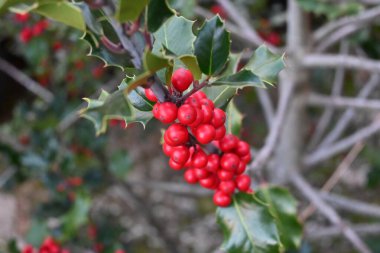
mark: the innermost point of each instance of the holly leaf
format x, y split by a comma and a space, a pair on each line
234, 119
89, 18
153, 62
158, 12
77, 216
191, 63
212, 46
283, 207
130, 10
243, 78
265, 64
248, 226
175, 35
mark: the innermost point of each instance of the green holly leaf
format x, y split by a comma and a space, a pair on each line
191, 63
158, 12
283, 207
212, 46
243, 78
234, 119
77, 216
175, 35
331, 10
130, 10
248, 226
265, 64
90, 19
153, 62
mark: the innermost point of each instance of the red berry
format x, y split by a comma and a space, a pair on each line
177, 134
228, 143
174, 165
168, 141
201, 173
168, 112
218, 9
26, 35
242, 148
168, 150
205, 133
220, 132
243, 182
212, 163
40, 27
180, 154
229, 161
198, 119
241, 168
150, 95
193, 101
225, 175
181, 79
28, 249
22, 17
208, 182
190, 176
119, 251
187, 114
227, 186
222, 199
207, 102
199, 95
208, 113
219, 117
199, 159
156, 111
247, 158
189, 162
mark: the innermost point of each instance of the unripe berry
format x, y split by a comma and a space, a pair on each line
208, 113
180, 154
222, 199
177, 134
201, 173
219, 117
227, 186
199, 159
212, 163
205, 133
187, 114
229, 161
220, 132
174, 165
243, 182
150, 95
228, 142
190, 176
242, 149
225, 175
208, 182
168, 112
181, 79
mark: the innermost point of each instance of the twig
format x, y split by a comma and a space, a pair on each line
26, 81
335, 177
266, 105
349, 114
333, 231
305, 188
325, 153
336, 60
6, 175
343, 102
336, 37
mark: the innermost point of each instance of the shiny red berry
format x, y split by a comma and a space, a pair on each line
190, 176
201, 173
212, 163
199, 159
208, 113
28, 249
225, 175
242, 149
220, 132
177, 134
229, 161
199, 118
207, 102
228, 142
187, 114
156, 111
180, 154
247, 158
150, 95
219, 117
174, 165
168, 150
181, 79
193, 101
243, 182
227, 186
241, 168
208, 182
222, 199
205, 133
26, 34
168, 112
199, 95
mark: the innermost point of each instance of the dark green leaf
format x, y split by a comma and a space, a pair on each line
241, 79
158, 12
284, 208
77, 216
248, 226
212, 46
89, 18
265, 64
234, 119
128, 10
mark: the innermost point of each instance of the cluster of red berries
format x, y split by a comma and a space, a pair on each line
197, 141
28, 32
48, 246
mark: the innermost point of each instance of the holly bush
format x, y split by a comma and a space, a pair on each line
181, 72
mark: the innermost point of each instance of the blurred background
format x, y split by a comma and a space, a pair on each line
115, 191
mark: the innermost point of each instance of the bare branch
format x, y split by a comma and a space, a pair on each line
337, 36
335, 177
315, 233
343, 102
346, 61
362, 18
26, 81
266, 105
305, 188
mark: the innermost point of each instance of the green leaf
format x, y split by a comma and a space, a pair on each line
128, 10
212, 46
175, 35
5, 4
330, 9
158, 12
191, 63
266, 64
37, 232
153, 63
248, 226
284, 208
77, 216
234, 119
241, 79
89, 18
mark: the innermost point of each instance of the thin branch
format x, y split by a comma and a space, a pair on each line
336, 60
349, 114
363, 17
343, 102
314, 233
325, 153
26, 81
266, 105
335, 177
305, 188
